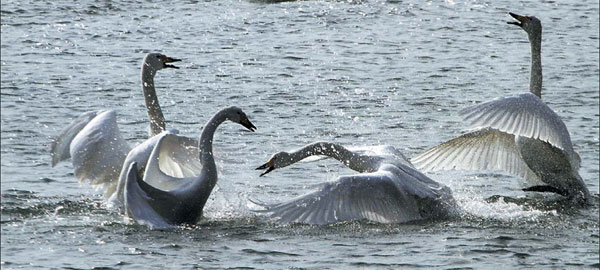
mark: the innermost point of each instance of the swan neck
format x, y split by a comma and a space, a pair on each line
157, 120
352, 160
535, 80
209, 168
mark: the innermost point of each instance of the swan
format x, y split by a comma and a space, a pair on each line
519, 134
183, 204
388, 189
97, 149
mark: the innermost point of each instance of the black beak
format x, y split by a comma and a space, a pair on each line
171, 60
266, 166
247, 124
517, 17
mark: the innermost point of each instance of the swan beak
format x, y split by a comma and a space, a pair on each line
247, 124
167, 59
269, 166
521, 19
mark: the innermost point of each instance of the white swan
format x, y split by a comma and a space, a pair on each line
97, 149
182, 204
387, 190
518, 134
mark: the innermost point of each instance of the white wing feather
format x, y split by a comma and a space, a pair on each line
179, 156
61, 145
98, 151
486, 149
172, 152
384, 197
523, 115
176, 157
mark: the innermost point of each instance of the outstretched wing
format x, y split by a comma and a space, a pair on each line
523, 115
138, 200
179, 156
174, 157
173, 163
485, 149
61, 145
98, 150
371, 196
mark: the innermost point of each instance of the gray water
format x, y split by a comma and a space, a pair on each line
353, 72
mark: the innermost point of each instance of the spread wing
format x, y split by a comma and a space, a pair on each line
139, 197
523, 115
98, 151
179, 156
371, 196
61, 145
175, 157
174, 162
485, 149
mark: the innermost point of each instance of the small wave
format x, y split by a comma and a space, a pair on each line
18, 207
270, 252
501, 209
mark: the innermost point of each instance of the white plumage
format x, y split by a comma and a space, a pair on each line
161, 201
98, 151
520, 135
388, 189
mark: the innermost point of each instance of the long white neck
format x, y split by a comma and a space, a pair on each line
357, 162
157, 120
535, 80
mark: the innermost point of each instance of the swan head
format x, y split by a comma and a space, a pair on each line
276, 161
531, 24
158, 61
236, 115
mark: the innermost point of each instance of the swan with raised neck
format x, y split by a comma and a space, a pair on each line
519, 134
159, 208
151, 64
533, 27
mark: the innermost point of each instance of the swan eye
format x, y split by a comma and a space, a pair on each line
158, 56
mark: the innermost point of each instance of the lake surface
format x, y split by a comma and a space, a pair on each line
352, 72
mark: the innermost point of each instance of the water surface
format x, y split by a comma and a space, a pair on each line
353, 72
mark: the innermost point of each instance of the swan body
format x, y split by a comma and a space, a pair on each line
93, 140
178, 156
184, 198
387, 189
518, 134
